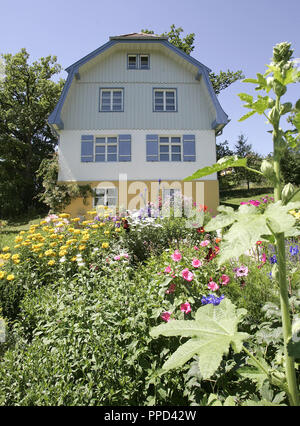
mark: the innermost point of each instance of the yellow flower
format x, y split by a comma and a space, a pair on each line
51, 262
6, 256
17, 261
49, 252
62, 253
64, 215
93, 212
106, 232
53, 244
71, 229
17, 246
43, 222
105, 245
95, 226
102, 224
10, 277
18, 239
22, 232
6, 248
77, 231
118, 229
76, 219
73, 259
82, 247
15, 256
2, 274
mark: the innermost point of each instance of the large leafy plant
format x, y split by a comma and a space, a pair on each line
215, 327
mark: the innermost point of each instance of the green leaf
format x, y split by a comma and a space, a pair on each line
222, 164
249, 225
212, 332
245, 97
249, 114
226, 218
250, 80
296, 121
294, 349
255, 374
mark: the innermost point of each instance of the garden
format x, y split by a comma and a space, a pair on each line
142, 309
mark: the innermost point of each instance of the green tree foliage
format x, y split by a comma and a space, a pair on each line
244, 150
219, 81
27, 96
58, 196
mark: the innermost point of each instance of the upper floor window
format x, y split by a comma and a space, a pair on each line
112, 100
138, 62
165, 100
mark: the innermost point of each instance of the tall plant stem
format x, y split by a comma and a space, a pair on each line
284, 297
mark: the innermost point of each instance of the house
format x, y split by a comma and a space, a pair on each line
135, 117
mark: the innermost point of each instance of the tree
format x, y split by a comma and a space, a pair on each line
225, 177
219, 81
244, 150
27, 97
58, 196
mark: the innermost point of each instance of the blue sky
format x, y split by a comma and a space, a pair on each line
231, 34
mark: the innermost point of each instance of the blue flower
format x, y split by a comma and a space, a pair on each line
211, 298
294, 250
273, 259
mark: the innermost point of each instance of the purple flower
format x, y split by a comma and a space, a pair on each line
273, 259
242, 271
211, 298
294, 250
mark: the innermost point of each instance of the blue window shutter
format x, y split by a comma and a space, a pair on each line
152, 147
124, 148
189, 148
87, 148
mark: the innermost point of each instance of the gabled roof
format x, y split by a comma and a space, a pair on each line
138, 36
73, 70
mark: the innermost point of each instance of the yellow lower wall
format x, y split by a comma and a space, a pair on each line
129, 193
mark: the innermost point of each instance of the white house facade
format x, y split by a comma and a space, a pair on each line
137, 113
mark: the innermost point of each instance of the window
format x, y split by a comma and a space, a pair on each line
106, 149
105, 197
111, 100
172, 197
165, 100
169, 148
138, 62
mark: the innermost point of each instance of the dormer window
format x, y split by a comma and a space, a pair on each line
138, 62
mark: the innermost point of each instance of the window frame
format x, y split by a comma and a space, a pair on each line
105, 144
170, 144
138, 57
105, 202
111, 90
165, 90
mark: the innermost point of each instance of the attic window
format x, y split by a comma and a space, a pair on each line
138, 62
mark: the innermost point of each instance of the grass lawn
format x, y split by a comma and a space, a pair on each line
235, 201
8, 234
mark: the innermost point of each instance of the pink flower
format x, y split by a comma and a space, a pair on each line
171, 289
196, 248
185, 307
117, 257
196, 263
213, 286
242, 271
125, 255
264, 258
254, 202
168, 269
176, 256
204, 243
166, 316
224, 280
187, 275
